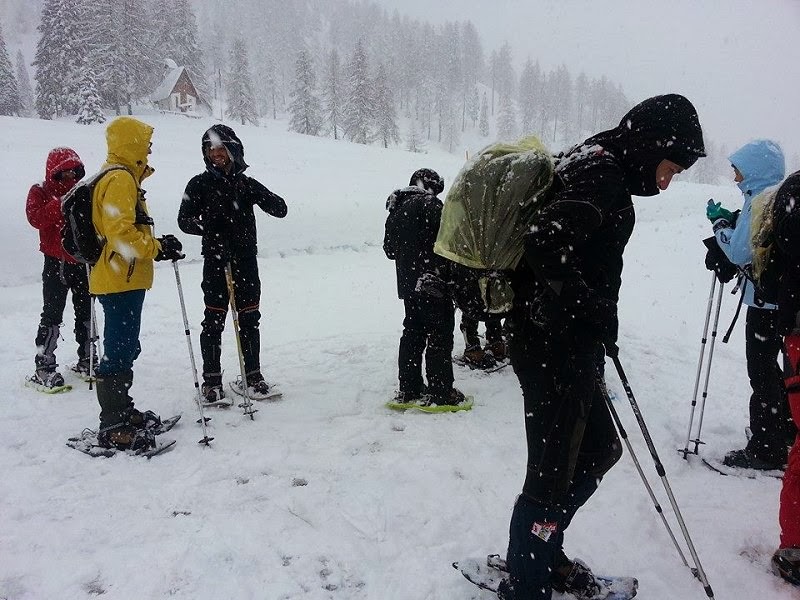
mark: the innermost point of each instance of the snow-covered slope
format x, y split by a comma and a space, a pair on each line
327, 494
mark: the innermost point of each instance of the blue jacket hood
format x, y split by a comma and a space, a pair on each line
762, 165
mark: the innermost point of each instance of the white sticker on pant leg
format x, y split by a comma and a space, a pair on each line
544, 530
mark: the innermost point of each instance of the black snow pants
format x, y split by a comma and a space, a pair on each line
58, 278
572, 443
427, 329
770, 420
247, 294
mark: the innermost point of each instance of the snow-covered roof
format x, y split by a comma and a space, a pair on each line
165, 88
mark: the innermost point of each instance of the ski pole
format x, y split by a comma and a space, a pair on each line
698, 572
703, 341
203, 419
248, 403
624, 435
93, 334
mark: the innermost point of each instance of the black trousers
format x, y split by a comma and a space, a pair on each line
572, 442
58, 278
427, 329
247, 294
770, 420
469, 327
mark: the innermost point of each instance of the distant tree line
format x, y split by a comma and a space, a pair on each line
349, 70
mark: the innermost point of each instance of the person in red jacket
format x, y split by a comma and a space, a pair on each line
61, 273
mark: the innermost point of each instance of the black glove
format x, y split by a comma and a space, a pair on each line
170, 248
431, 285
717, 261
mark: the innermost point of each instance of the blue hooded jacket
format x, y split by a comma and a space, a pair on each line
762, 165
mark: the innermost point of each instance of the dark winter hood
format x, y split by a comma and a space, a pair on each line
403, 194
661, 127
222, 134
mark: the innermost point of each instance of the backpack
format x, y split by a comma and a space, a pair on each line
764, 267
78, 235
486, 214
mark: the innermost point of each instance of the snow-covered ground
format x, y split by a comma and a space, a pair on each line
327, 494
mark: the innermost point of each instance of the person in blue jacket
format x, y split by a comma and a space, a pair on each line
757, 166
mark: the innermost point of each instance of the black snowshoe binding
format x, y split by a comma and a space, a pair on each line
125, 436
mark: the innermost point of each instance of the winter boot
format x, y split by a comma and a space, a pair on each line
112, 395
142, 420
402, 397
124, 436
745, 459
46, 374
476, 358
786, 564
498, 350
213, 395
580, 582
257, 388
452, 398
82, 368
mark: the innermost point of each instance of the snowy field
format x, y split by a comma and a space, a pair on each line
327, 494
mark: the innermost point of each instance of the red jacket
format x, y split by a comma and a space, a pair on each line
43, 207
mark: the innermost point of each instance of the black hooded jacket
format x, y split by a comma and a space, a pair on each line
571, 274
411, 230
219, 206
786, 251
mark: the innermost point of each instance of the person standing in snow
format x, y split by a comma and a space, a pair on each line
785, 261
218, 205
121, 277
757, 166
409, 235
61, 272
566, 290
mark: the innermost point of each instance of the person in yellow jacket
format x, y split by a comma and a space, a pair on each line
120, 278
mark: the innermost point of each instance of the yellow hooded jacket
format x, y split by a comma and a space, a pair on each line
127, 260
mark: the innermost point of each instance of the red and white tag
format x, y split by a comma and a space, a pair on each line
544, 530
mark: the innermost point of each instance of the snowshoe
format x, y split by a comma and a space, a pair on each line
745, 459
47, 382
257, 390
87, 443
721, 468
488, 574
429, 404
786, 564
214, 396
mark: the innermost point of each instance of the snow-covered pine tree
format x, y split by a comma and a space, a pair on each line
51, 67
385, 113
241, 101
529, 95
506, 119
332, 92
24, 86
359, 106
10, 102
305, 107
414, 141
473, 106
91, 110
484, 121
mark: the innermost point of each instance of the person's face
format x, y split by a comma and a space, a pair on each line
737, 175
219, 157
665, 171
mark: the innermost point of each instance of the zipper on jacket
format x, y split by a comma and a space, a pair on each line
130, 270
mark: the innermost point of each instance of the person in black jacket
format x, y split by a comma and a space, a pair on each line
218, 205
411, 229
565, 313
784, 264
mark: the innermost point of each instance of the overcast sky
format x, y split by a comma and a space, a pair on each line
738, 61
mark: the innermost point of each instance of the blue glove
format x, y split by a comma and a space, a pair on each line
714, 212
